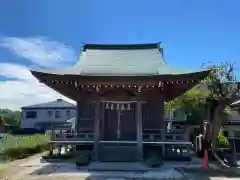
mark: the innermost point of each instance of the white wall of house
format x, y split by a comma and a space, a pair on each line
169, 115
234, 116
46, 115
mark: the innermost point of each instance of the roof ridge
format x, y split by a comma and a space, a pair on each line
48, 103
39, 104
121, 46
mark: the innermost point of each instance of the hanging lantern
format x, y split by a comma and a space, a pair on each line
107, 106
129, 107
112, 106
122, 108
118, 107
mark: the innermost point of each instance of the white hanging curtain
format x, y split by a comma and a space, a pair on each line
107, 106
129, 107
112, 106
118, 107
122, 107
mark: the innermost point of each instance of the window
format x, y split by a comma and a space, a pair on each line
31, 114
67, 113
49, 113
57, 114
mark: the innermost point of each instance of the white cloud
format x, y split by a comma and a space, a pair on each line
21, 72
40, 50
25, 89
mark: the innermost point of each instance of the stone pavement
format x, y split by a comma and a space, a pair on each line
211, 174
34, 169
69, 171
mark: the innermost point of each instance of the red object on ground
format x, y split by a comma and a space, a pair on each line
205, 161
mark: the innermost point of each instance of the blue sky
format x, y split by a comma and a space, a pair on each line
49, 34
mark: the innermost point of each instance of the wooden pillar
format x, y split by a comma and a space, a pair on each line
139, 129
102, 121
76, 128
161, 119
77, 117
96, 131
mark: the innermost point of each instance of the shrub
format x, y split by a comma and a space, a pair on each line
27, 131
17, 147
153, 161
82, 160
223, 141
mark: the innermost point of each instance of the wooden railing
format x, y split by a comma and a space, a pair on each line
152, 134
176, 119
148, 135
73, 136
160, 134
174, 137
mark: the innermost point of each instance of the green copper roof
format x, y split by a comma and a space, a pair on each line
121, 60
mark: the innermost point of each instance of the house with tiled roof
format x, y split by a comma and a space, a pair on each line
43, 116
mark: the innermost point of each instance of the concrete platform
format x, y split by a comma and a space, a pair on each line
140, 166
118, 166
70, 171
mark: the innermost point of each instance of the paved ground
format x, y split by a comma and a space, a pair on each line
33, 169
210, 175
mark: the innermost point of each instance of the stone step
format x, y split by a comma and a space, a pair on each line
118, 153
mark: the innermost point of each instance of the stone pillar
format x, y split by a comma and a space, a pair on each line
96, 131
139, 129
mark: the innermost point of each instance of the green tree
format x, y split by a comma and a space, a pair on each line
11, 117
193, 103
223, 91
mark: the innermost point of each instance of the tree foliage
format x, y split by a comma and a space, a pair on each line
192, 103
222, 83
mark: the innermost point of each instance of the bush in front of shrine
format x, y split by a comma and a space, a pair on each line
82, 160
